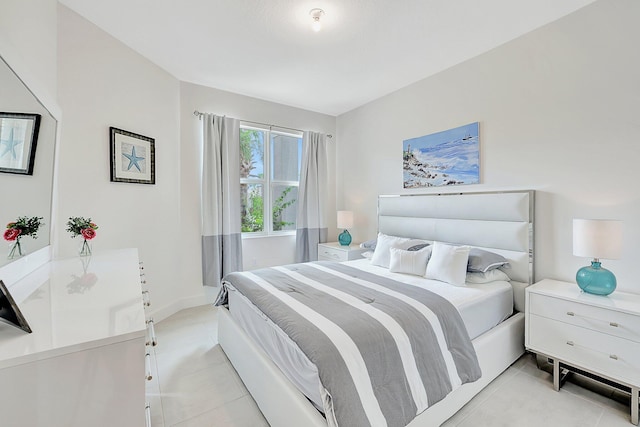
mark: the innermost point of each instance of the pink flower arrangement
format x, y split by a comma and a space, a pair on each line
23, 226
11, 234
88, 233
79, 226
16, 230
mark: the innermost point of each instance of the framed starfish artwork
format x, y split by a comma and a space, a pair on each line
18, 139
133, 157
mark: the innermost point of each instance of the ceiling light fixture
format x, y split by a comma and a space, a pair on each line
315, 15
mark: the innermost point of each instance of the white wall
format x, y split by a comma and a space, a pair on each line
257, 252
558, 110
28, 34
103, 83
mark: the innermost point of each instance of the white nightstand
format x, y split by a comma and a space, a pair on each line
334, 251
599, 335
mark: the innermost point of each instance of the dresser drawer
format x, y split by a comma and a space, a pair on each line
605, 354
596, 318
332, 254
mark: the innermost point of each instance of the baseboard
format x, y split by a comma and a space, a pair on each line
162, 313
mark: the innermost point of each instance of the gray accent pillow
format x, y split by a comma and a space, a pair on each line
418, 247
477, 278
483, 261
369, 244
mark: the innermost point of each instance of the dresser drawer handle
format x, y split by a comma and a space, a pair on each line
611, 356
146, 300
147, 367
612, 324
147, 414
152, 333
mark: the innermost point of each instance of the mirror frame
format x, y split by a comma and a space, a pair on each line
18, 269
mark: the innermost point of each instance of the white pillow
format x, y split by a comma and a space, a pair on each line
448, 263
478, 278
410, 262
381, 255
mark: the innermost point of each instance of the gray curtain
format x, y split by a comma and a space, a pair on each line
311, 221
220, 186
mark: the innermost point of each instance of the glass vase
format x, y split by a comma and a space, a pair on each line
596, 280
15, 249
344, 238
85, 248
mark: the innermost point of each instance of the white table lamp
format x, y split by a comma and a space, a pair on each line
345, 220
597, 239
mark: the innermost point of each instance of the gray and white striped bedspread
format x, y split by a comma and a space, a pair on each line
385, 350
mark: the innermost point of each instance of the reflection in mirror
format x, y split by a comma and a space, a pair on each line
24, 195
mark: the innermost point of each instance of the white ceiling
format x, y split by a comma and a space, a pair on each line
266, 48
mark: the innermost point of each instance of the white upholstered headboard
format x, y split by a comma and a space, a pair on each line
501, 222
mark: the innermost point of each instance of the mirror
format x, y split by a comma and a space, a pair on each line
22, 194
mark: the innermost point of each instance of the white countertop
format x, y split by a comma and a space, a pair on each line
75, 304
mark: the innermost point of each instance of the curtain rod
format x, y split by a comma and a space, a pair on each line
199, 115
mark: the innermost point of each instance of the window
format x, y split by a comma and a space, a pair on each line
269, 178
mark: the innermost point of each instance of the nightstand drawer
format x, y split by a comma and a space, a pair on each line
333, 254
333, 251
608, 355
596, 318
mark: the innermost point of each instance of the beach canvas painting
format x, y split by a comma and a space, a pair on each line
450, 157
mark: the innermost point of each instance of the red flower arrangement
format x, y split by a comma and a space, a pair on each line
11, 234
79, 226
23, 226
88, 233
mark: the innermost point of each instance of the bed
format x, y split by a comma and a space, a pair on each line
282, 380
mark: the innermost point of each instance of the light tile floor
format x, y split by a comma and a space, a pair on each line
194, 385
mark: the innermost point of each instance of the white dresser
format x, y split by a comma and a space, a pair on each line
84, 363
334, 251
597, 334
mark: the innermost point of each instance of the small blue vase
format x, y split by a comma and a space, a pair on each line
344, 238
596, 280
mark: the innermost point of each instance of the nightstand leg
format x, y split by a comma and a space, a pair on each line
634, 405
556, 374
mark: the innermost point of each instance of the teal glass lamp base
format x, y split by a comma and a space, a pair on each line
596, 280
344, 238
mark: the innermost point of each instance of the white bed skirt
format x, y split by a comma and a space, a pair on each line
283, 405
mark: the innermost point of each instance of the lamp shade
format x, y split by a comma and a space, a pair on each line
597, 238
345, 219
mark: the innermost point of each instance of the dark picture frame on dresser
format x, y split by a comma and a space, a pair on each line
9, 311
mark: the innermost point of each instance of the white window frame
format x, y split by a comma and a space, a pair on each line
268, 183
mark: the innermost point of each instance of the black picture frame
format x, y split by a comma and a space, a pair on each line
18, 141
9, 311
133, 157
